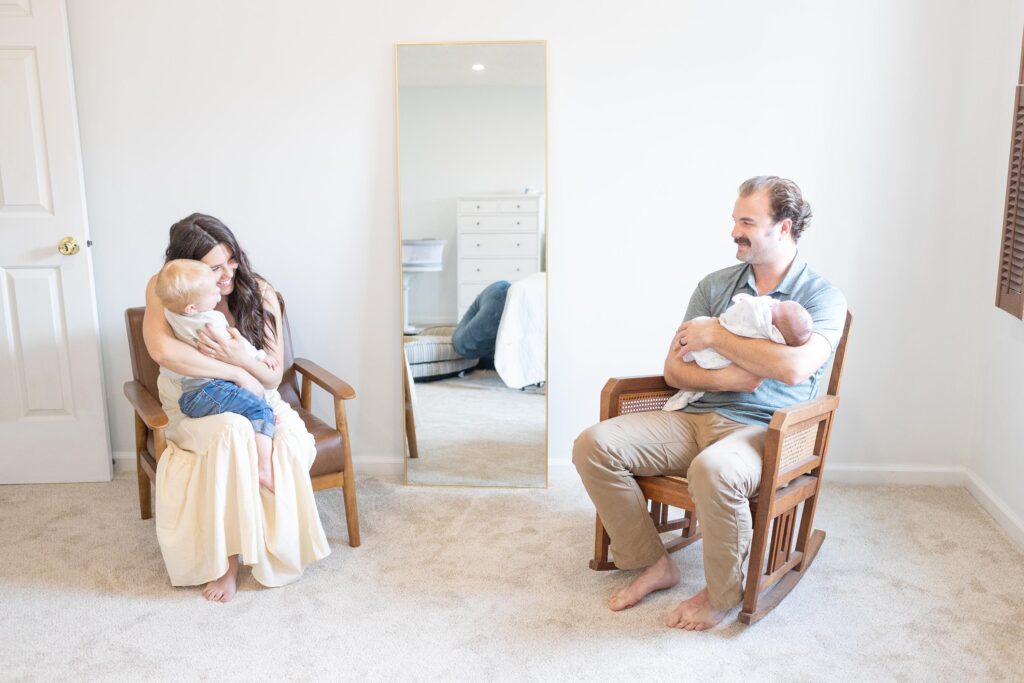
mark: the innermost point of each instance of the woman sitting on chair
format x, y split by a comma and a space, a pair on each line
210, 508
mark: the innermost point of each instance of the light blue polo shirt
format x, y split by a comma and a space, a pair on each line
823, 301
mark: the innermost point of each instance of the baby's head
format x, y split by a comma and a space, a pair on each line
793, 321
187, 287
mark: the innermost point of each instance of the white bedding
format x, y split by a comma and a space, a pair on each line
520, 352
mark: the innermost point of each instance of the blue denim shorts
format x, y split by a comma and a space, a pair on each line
216, 396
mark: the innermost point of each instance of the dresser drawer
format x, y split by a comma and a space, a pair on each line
498, 224
470, 206
468, 294
518, 206
499, 244
491, 269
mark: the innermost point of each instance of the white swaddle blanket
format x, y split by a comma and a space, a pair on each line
520, 349
748, 316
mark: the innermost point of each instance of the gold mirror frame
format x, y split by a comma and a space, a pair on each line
547, 261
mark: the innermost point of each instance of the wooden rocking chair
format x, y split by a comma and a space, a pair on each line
792, 466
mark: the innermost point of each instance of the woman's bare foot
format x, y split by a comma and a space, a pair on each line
661, 575
696, 614
223, 589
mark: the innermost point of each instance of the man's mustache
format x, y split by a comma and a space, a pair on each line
741, 240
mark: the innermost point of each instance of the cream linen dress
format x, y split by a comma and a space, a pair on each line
209, 503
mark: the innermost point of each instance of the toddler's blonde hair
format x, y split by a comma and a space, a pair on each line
180, 282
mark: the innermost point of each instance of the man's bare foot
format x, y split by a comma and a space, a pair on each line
661, 575
223, 589
696, 614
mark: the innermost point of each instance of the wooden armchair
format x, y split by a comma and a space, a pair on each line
333, 465
791, 471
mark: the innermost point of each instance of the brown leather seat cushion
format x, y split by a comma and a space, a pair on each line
329, 456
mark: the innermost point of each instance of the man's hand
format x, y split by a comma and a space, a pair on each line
697, 335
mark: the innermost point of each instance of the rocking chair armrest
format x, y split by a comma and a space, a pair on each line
784, 418
619, 385
325, 380
615, 387
147, 407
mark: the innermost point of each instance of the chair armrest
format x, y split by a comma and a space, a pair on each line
644, 384
147, 407
785, 418
324, 379
797, 441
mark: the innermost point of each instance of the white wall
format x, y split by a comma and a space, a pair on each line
996, 455
278, 118
457, 141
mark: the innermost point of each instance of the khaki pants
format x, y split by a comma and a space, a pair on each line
720, 458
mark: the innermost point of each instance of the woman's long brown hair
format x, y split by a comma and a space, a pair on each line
193, 238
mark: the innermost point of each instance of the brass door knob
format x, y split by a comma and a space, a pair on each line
68, 246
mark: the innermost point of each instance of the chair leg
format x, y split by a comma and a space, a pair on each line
145, 487
755, 566
602, 542
410, 432
348, 492
774, 595
145, 490
410, 416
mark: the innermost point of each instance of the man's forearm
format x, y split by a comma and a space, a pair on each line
765, 358
692, 377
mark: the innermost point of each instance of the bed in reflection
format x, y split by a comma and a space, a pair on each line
481, 421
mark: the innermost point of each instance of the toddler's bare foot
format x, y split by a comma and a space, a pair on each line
223, 589
661, 575
696, 614
266, 474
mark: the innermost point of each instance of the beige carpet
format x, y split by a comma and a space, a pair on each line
476, 431
912, 584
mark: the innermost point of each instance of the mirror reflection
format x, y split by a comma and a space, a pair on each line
472, 150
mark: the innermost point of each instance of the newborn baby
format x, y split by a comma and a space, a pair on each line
761, 317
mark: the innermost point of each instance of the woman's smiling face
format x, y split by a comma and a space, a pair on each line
222, 262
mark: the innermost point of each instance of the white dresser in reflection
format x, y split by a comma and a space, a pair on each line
500, 237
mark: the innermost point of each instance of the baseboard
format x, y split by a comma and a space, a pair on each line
995, 506
380, 466
895, 475
124, 461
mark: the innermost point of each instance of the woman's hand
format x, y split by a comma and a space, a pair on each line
230, 350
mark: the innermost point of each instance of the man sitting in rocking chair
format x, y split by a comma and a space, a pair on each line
716, 441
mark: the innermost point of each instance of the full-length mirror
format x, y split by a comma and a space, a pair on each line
472, 166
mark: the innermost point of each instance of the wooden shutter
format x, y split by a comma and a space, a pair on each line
1010, 290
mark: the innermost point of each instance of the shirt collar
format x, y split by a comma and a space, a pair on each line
788, 284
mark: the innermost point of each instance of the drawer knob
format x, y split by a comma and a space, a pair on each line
478, 206
478, 270
517, 244
517, 270
518, 223
478, 222
478, 244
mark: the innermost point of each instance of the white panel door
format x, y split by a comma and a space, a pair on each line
53, 425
